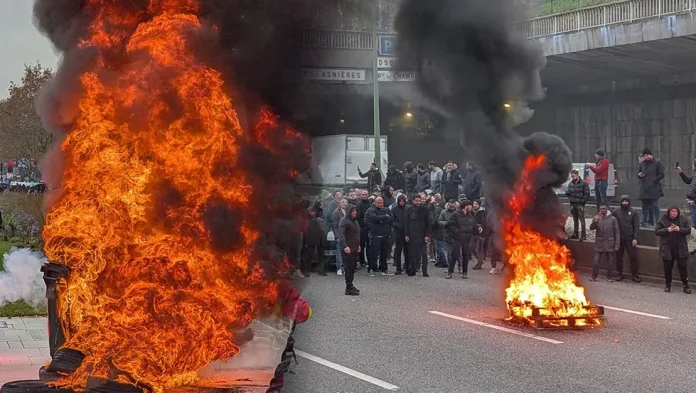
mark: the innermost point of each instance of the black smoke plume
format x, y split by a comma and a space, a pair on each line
249, 41
473, 62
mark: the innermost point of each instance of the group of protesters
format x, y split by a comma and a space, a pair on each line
617, 231
420, 216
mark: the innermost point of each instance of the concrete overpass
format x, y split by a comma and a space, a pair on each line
620, 76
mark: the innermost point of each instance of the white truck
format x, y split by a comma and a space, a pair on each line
336, 158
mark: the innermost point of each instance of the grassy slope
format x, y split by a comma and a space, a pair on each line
558, 6
20, 308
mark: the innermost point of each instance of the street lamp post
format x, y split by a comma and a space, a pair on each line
375, 84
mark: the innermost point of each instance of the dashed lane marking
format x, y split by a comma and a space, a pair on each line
496, 327
636, 312
346, 370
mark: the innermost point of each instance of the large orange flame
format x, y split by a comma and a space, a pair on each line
154, 294
541, 278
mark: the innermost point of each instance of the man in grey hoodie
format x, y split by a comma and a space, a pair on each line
435, 177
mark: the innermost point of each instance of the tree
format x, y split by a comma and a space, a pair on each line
21, 134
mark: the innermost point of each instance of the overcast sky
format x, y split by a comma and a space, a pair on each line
20, 43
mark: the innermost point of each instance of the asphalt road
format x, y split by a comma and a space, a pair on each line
388, 333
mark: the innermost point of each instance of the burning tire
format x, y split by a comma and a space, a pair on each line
65, 361
30, 387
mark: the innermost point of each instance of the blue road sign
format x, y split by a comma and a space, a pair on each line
387, 44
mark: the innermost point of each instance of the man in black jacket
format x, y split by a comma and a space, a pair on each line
394, 179
411, 178
423, 179
417, 231
690, 193
374, 177
629, 225
349, 244
363, 204
650, 175
314, 240
379, 220
399, 212
450, 182
673, 230
461, 227
477, 241
473, 183
578, 194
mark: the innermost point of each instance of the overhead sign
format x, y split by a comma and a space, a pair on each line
400, 76
386, 62
387, 45
333, 74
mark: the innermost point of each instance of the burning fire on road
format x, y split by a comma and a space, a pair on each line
543, 290
169, 259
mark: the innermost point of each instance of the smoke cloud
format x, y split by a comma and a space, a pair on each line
22, 278
474, 64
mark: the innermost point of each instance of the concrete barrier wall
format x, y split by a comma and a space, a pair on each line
649, 262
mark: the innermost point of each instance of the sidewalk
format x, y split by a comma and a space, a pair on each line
23, 348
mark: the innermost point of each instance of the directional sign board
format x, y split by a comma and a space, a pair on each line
396, 76
385, 62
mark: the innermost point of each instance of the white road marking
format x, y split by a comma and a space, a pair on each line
496, 327
636, 312
346, 370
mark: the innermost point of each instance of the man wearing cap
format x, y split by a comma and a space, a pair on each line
601, 172
650, 174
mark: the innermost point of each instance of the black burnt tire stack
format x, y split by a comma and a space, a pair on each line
101, 385
65, 361
30, 387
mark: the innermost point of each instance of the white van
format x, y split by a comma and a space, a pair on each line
586, 174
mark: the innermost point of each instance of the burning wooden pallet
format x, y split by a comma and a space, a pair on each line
592, 317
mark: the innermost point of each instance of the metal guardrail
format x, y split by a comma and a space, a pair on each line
586, 18
606, 14
333, 39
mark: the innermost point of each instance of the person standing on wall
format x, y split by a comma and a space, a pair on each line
690, 192
578, 194
374, 177
601, 172
650, 174
673, 230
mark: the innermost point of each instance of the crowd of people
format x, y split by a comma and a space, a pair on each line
427, 215
421, 216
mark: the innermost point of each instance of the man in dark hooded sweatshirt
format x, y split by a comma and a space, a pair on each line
349, 243
314, 245
629, 225
450, 182
394, 179
473, 182
411, 178
417, 231
673, 229
423, 179
379, 219
399, 212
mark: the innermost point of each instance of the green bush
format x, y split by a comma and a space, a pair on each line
21, 309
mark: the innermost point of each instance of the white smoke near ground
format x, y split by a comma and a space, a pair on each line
22, 278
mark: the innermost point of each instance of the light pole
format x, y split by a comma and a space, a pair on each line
375, 84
